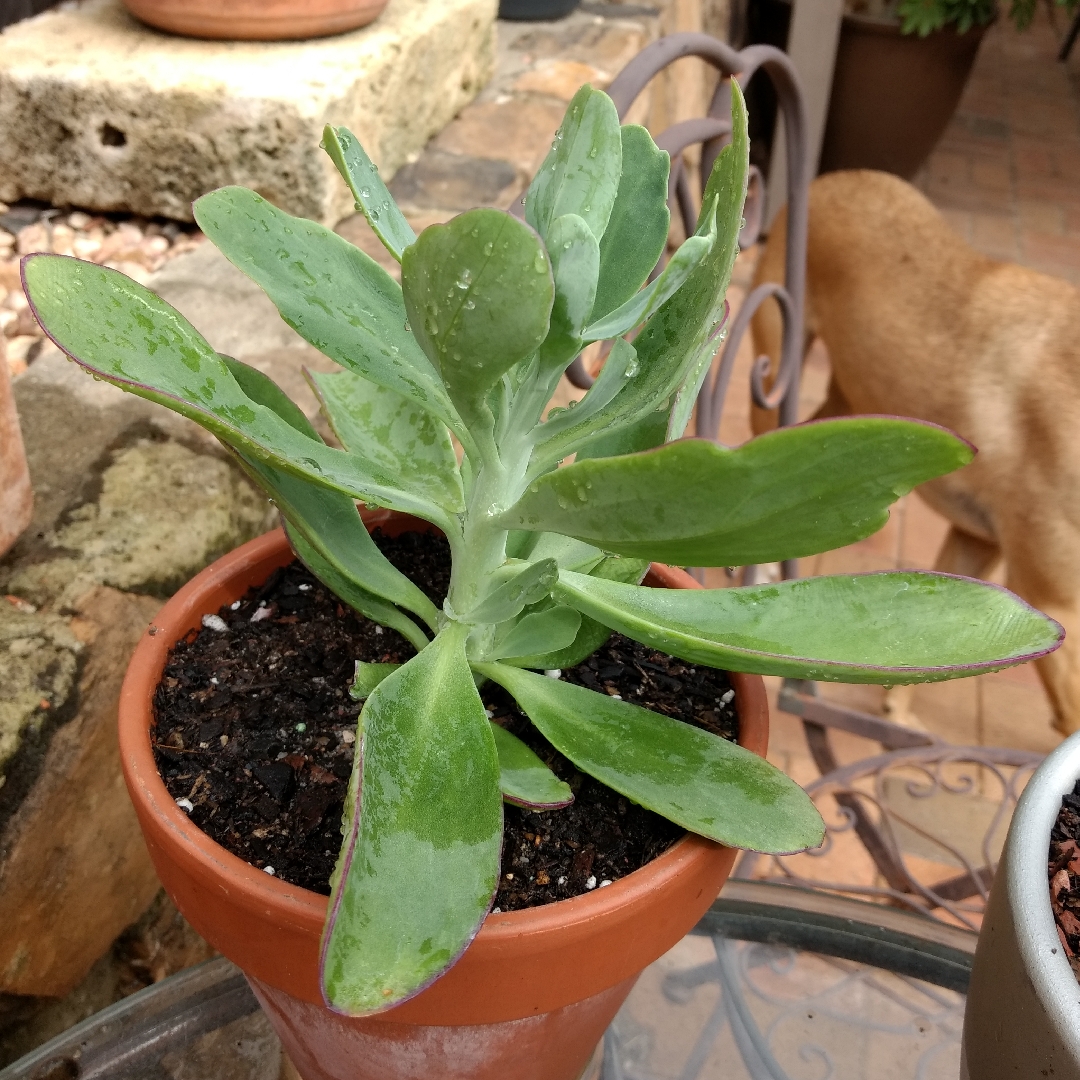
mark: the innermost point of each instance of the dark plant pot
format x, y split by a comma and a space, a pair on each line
535, 10
893, 94
531, 996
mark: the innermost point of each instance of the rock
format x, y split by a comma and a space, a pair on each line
73, 867
561, 79
453, 182
519, 131
162, 513
38, 667
99, 111
16, 496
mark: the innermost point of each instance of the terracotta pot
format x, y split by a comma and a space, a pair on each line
16, 495
892, 95
531, 996
1023, 1005
256, 20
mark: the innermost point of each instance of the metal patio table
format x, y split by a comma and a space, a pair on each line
775, 983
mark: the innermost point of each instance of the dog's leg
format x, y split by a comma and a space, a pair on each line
961, 553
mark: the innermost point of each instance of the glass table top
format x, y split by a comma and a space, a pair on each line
775, 983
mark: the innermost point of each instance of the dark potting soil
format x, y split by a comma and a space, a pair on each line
1063, 869
255, 732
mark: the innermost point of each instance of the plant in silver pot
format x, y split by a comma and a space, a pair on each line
546, 560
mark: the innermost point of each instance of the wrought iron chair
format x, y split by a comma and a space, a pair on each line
912, 765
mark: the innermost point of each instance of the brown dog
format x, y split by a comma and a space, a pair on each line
918, 324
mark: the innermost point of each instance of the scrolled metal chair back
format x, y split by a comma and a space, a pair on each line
712, 132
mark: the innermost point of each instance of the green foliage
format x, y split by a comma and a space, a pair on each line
922, 17
546, 560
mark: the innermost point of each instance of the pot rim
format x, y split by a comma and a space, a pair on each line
1024, 858
183, 612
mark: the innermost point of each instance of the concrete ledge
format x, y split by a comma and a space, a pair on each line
99, 111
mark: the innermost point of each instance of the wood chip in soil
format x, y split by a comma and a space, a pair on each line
1063, 870
255, 732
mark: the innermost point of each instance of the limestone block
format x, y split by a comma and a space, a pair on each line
38, 667
99, 111
162, 513
73, 867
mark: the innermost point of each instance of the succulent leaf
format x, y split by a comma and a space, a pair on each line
792, 492
421, 862
478, 292
524, 779
580, 174
889, 628
706, 784
373, 199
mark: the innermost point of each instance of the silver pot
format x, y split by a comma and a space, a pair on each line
1023, 1007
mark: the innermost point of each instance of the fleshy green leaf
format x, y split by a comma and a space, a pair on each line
525, 780
564, 430
591, 634
672, 342
330, 292
643, 305
637, 230
575, 263
528, 585
795, 491
478, 291
124, 333
896, 627
347, 589
393, 432
706, 784
325, 528
371, 194
570, 554
367, 676
644, 433
581, 173
421, 864
539, 632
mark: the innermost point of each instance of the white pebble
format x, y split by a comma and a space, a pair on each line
269, 870
348, 737
213, 679
606, 881
726, 696
262, 613
617, 697
304, 588
562, 881
185, 804
215, 622
591, 883
235, 605
496, 910
554, 673
488, 713
378, 629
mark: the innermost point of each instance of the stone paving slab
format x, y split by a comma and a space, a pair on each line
101, 112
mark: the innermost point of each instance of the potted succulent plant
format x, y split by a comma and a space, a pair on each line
412, 976
1023, 1007
901, 66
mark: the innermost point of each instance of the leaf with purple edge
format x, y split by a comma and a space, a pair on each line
421, 863
525, 780
706, 784
792, 492
125, 334
894, 627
